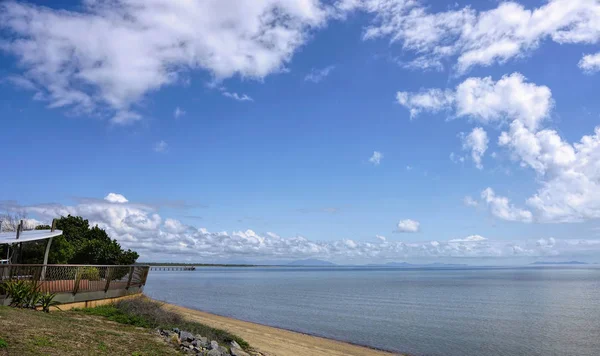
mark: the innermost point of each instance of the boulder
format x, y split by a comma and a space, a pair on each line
186, 336
235, 344
215, 352
176, 330
236, 351
214, 345
202, 341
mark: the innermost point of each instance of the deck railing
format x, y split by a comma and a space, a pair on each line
77, 278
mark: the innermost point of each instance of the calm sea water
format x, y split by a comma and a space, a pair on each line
467, 312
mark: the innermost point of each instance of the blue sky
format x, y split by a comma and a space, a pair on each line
89, 112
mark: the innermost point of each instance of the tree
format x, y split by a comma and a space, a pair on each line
80, 244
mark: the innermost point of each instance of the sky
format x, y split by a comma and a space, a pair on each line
354, 131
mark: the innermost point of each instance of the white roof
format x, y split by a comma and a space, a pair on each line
27, 236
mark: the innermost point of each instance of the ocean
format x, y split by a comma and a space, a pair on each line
422, 312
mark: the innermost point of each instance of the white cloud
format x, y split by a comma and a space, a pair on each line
432, 100
501, 208
237, 96
161, 146
376, 158
115, 198
486, 101
382, 239
178, 112
408, 225
316, 75
469, 201
471, 238
106, 55
590, 63
473, 38
476, 142
139, 227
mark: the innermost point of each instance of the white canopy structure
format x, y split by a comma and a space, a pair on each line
14, 237
27, 236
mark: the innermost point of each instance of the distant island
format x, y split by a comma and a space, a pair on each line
559, 263
410, 265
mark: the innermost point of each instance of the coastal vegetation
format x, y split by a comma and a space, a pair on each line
147, 313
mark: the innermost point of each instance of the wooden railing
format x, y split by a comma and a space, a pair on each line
77, 278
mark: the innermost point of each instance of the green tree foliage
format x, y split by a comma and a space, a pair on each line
80, 244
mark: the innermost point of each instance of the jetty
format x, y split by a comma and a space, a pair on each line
172, 268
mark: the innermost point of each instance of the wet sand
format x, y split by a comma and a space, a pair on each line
278, 342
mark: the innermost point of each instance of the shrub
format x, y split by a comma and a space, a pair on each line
3, 344
145, 312
22, 294
47, 300
26, 294
90, 273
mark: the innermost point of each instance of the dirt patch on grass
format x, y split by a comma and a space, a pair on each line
29, 332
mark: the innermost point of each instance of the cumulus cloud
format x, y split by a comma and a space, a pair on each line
486, 101
567, 174
408, 225
476, 142
115, 198
590, 63
471, 238
111, 53
140, 227
236, 96
431, 100
376, 158
477, 38
161, 146
503, 209
316, 75
178, 112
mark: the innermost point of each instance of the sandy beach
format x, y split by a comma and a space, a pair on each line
278, 342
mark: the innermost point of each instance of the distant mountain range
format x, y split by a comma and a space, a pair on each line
311, 262
559, 263
409, 265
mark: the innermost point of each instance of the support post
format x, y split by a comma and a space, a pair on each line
130, 276
108, 277
77, 279
48, 244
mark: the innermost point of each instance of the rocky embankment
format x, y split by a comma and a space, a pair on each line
200, 345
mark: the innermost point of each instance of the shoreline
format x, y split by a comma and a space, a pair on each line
273, 341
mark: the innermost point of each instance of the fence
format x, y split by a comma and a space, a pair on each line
89, 281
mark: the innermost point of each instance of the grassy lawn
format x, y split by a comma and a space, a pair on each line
29, 332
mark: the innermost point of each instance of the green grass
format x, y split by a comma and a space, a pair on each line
41, 341
27, 332
143, 312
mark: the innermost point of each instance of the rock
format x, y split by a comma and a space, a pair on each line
223, 350
215, 352
186, 344
176, 330
202, 341
236, 351
235, 344
214, 345
186, 336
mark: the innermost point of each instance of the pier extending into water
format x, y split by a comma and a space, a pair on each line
172, 268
